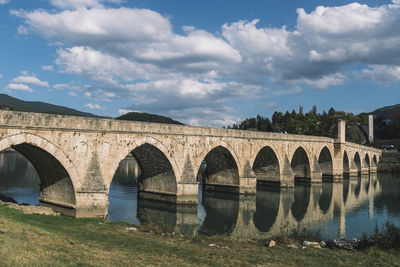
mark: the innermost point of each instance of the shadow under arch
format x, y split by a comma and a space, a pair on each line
375, 160
301, 165
346, 165
266, 166
53, 167
325, 163
357, 161
156, 172
219, 170
368, 165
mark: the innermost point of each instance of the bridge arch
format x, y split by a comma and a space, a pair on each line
325, 162
346, 164
222, 165
367, 161
266, 165
357, 161
59, 179
301, 164
158, 167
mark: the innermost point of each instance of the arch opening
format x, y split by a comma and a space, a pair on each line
39, 175
346, 165
325, 163
145, 173
218, 170
367, 162
266, 167
357, 161
301, 165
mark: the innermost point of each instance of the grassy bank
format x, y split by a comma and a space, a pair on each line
390, 162
40, 240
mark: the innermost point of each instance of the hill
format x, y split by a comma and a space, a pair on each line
10, 103
146, 117
388, 112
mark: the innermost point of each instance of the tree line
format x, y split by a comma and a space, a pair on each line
310, 123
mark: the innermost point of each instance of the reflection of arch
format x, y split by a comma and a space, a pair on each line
58, 177
346, 185
267, 208
222, 211
221, 167
375, 161
301, 201
357, 161
301, 164
346, 164
266, 165
157, 166
325, 162
326, 197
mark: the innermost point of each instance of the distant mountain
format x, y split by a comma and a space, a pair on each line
10, 103
388, 112
146, 117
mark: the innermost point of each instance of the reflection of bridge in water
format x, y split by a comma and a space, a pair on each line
265, 214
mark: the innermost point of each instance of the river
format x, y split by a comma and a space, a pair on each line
345, 209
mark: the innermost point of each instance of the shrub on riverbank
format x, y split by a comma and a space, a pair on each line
386, 237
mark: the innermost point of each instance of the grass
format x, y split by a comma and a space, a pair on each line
40, 240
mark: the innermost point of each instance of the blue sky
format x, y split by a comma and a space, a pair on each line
209, 63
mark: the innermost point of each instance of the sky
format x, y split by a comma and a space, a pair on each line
207, 63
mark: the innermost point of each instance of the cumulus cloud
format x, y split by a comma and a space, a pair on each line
22, 30
48, 67
73, 94
381, 74
159, 70
30, 80
18, 87
93, 106
80, 3
2, 2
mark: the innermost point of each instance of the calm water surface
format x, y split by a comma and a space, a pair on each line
336, 209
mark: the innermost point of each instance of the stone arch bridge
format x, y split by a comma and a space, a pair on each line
76, 158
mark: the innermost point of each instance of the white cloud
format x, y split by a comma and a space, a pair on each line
161, 71
81, 3
1, 76
47, 67
18, 87
2, 2
22, 30
274, 106
123, 111
73, 94
381, 74
30, 80
93, 106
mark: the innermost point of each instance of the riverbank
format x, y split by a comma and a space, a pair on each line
390, 162
37, 240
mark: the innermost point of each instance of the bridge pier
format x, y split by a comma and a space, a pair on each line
187, 193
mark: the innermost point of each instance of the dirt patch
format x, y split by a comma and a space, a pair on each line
31, 209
